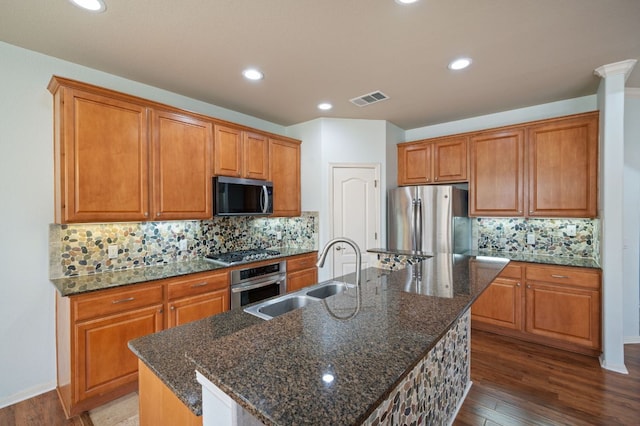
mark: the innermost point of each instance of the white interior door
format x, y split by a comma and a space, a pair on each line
355, 214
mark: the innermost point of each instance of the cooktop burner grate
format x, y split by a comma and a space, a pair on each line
239, 256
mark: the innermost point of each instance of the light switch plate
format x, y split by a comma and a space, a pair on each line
571, 230
531, 239
182, 245
113, 251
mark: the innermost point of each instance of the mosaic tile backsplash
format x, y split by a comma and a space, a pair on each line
83, 249
551, 236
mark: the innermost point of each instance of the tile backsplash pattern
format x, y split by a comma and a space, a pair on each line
83, 249
551, 236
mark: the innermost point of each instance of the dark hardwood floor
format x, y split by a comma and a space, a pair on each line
42, 410
518, 383
514, 383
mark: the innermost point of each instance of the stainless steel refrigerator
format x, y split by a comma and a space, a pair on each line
428, 219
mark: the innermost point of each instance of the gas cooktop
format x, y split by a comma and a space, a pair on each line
241, 256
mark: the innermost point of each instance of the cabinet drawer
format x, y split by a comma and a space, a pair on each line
198, 284
302, 262
116, 300
560, 275
512, 271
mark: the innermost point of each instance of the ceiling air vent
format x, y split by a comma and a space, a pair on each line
369, 98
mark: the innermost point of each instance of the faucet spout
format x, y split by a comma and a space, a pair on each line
356, 249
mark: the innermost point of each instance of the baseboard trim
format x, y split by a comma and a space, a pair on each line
631, 340
459, 405
26, 394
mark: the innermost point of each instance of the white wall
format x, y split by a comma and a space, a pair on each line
631, 216
505, 118
335, 140
27, 333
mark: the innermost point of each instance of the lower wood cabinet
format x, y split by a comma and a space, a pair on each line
302, 271
559, 306
95, 364
159, 406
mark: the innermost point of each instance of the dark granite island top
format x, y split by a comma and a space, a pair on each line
274, 368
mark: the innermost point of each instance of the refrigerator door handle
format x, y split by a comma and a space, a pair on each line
416, 225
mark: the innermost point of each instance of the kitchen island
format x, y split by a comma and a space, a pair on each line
403, 355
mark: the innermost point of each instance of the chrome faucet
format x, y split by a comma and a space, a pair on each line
352, 243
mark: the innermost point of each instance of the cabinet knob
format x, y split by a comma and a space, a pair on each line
158, 214
436, 178
146, 214
528, 286
530, 211
160, 311
517, 284
173, 308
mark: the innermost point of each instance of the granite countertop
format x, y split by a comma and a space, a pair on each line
274, 368
68, 286
581, 262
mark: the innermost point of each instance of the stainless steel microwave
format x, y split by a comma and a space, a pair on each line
242, 197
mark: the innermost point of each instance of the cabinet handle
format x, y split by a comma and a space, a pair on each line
517, 284
159, 311
519, 211
146, 214
436, 178
559, 276
202, 284
173, 308
528, 286
158, 214
530, 211
128, 299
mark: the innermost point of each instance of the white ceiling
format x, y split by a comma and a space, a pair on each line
525, 52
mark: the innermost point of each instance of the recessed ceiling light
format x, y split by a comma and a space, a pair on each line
406, 1
91, 5
252, 74
325, 106
460, 64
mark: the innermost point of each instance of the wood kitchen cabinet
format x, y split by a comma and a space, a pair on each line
181, 166
563, 167
240, 153
302, 271
559, 306
121, 158
438, 160
501, 304
284, 172
93, 329
95, 364
101, 155
547, 168
196, 297
496, 184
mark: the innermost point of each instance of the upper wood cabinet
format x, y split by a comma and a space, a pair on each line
101, 156
284, 166
118, 158
563, 167
433, 161
240, 153
542, 169
181, 166
496, 183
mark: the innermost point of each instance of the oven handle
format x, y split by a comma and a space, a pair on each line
257, 284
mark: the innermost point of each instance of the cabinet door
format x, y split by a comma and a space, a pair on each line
284, 164
569, 315
414, 163
255, 156
450, 160
182, 311
496, 183
181, 161
563, 167
500, 304
227, 153
300, 279
102, 159
103, 360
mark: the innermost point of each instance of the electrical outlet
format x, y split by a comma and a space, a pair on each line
182, 245
113, 251
278, 235
571, 230
531, 239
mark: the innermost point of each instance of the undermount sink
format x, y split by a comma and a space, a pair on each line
272, 308
326, 290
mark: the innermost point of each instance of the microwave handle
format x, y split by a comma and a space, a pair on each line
265, 199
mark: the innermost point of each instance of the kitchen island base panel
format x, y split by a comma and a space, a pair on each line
432, 392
